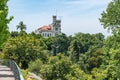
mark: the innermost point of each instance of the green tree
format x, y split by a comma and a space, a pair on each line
24, 49
111, 57
49, 42
22, 27
74, 50
35, 66
111, 17
63, 43
4, 21
77, 74
86, 41
91, 60
99, 74
57, 68
60, 67
83, 43
14, 34
111, 20
94, 59
60, 44
99, 36
37, 36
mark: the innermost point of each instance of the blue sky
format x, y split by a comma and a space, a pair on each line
76, 15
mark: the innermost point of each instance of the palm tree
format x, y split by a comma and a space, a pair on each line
21, 26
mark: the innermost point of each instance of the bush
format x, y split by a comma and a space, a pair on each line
35, 66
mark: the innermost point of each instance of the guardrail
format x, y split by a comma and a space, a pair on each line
14, 67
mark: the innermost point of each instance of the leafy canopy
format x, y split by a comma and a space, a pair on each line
24, 49
4, 21
111, 17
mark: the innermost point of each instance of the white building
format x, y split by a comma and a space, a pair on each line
50, 30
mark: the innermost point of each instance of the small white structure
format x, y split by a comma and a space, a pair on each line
51, 30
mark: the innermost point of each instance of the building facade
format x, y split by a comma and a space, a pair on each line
50, 30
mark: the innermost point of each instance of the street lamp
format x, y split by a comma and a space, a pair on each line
54, 49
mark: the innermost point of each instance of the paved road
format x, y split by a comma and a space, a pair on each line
6, 73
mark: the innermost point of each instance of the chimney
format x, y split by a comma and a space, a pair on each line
54, 19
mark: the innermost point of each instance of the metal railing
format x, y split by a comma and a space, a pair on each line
14, 67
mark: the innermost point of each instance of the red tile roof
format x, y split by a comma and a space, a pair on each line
46, 27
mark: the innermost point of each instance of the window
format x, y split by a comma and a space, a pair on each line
56, 29
45, 34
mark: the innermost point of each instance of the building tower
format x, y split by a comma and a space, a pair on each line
56, 26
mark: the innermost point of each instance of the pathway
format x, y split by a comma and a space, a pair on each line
6, 73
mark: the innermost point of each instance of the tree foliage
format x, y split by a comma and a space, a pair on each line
111, 17
24, 49
60, 44
74, 50
112, 56
57, 68
4, 21
111, 20
35, 66
60, 67
83, 43
21, 26
14, 34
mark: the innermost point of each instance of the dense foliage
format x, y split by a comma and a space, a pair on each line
24, 49
4, 21
111, 17
83, 56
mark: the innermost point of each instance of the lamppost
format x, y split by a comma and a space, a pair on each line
57, 47
54, 50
